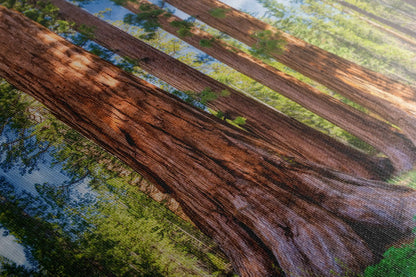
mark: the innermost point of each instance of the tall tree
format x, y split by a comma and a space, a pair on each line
379, 135
376, 24
109, 180
387, 22
390, 99
346, 36
55, 251
298, 140
261, 207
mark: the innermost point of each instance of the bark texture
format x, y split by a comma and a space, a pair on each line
373, 131
390, 99
261, 207
292, 137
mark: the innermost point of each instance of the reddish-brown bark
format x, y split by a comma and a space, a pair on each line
392, 100
292, 137
261, 207
373, 131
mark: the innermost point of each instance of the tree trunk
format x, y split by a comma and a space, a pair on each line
389, 23
382, 28
293, 138
364, 51
261, 207
298, 139
380, 135
410, 2
390, 99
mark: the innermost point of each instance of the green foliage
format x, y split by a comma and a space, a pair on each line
103, 230
206, 96
207, 42
184, 27
225, 93
202, 97
85, 34
147, 18
9, 268
128, 64
267, 43
219, 12
397, 262
240, 121
86, 31
13, 107
120, 2
47, 242
324, 25
9, 3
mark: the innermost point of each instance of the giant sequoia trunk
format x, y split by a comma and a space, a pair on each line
293, 138
373, 131
390, 99
264, 209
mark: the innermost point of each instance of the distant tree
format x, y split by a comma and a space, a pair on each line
345, 35
385, 21
56, 254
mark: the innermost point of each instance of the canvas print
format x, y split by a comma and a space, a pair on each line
208, 138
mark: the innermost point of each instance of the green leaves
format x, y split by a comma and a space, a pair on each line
219, 12
204, 97
267, 43
207, 42
147, 18
398, 262
184, 27
239, 120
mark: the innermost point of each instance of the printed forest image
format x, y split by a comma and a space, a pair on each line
208, 138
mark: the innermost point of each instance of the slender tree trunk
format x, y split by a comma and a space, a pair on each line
368, 52
410, 2
297, 139
261, 207
400, 36
389, 23
293, 138
390, 99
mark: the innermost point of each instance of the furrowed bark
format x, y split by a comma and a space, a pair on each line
373, 131
292, 137
260, 206
386, 97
